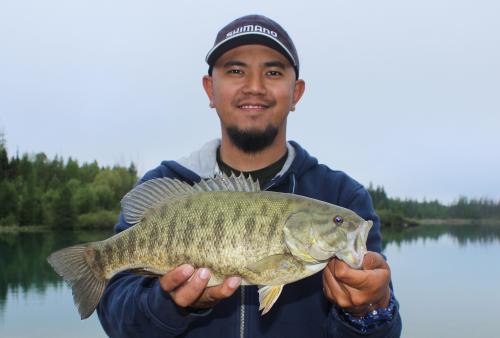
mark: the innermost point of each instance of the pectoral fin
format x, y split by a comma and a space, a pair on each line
270, 263
268, 295
276, 269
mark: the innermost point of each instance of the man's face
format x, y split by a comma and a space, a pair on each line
253, 87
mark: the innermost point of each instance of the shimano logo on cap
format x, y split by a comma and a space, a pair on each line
251, 28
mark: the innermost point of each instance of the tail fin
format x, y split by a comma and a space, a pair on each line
71, 264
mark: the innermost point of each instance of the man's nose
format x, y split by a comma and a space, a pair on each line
255, 85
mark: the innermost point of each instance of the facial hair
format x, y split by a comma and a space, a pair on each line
252, 141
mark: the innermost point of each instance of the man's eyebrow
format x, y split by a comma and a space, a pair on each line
278, 64
232, 63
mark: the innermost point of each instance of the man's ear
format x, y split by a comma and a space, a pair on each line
298, 91
208, 86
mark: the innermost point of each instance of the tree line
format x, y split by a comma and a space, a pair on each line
395, 210
36, 190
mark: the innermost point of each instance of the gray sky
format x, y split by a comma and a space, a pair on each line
404, 94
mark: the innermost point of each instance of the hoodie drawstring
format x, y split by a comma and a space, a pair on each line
292, 176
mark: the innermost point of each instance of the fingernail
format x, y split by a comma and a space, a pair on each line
233, 282
187, 270
204, 273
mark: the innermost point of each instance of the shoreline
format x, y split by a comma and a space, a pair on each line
12, 229
457, 221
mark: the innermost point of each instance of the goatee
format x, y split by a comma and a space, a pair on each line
252, 141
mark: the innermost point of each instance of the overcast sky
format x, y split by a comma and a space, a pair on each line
404, 94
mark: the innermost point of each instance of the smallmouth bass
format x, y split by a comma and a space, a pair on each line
225, 224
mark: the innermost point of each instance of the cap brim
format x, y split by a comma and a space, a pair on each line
248, 39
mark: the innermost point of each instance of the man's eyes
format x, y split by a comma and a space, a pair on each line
274, 73
271, 73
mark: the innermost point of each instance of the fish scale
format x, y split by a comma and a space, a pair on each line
226, 224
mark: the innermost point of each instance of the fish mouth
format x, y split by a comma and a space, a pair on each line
356, 249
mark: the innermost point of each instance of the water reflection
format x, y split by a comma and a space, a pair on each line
23, 260
443, 278
463, 234
24, 266
422, 260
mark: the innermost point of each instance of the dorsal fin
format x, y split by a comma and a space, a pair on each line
143, 197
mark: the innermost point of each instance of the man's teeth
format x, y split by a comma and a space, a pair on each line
250, 106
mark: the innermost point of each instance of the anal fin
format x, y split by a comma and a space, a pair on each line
268, 295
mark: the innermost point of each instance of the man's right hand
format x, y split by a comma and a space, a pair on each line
193, 292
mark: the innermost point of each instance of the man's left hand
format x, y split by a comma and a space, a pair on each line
358, 291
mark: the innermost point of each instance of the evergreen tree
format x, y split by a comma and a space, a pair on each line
8, 202
4, 162
88, 172
65, 216
48, 201
29, 209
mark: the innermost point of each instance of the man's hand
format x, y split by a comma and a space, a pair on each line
358, 291
193, 292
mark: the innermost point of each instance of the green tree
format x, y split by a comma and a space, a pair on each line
72, 170
105, 197
111, 185
8, 202
64, 211
49, 199
4, 162
85, 199
88, 172
30, 212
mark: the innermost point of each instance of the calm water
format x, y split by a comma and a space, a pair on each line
446, 279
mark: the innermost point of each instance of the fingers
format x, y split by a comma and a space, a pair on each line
374, 260
189, 292
188, 287
374, 270
176, 277
347, 275
216, 293
334, 291
353, 289
224, 290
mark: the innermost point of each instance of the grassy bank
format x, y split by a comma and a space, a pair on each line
13, 229
389, 218
393, 219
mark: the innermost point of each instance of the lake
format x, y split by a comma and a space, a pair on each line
446, 279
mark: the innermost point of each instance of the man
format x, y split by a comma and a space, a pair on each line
253, 83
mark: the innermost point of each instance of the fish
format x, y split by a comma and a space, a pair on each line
227, 224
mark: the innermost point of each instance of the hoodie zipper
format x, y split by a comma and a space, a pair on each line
242, 313
279, 179
242, 306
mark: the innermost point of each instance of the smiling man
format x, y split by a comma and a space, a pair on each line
253, 83
253, 88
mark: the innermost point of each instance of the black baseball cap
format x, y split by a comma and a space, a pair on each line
253, 29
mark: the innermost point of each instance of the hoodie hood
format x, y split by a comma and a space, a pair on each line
202, 163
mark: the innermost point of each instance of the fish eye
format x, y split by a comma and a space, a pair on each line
338, 220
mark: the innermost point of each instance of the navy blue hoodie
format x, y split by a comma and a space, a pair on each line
135, 306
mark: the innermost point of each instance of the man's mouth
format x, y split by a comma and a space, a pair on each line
253, 106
